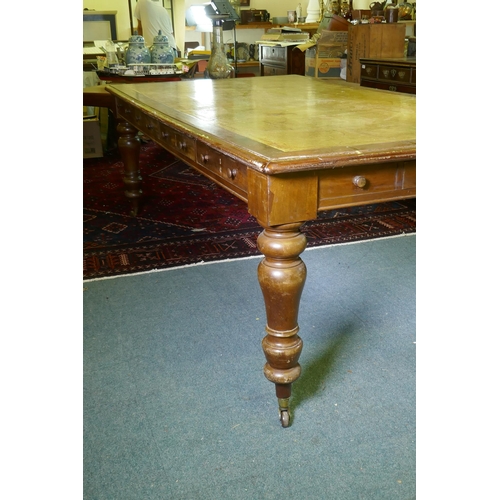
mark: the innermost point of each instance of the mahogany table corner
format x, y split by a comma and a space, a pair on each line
289, 146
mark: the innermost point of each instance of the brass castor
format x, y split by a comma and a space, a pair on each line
284, 411
284, 418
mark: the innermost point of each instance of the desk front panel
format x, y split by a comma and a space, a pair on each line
360, 185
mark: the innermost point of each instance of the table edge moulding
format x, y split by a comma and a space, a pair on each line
288, 158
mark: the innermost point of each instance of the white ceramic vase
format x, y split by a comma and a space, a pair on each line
313, 11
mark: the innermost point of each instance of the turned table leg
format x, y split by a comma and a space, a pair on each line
282, 275
129, 145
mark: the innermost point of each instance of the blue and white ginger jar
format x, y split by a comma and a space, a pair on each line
161, 51
137, 52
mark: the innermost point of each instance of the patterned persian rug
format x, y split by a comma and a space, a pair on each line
187, 219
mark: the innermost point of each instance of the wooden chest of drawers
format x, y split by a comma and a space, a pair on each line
396, 74
381, 40
275, 60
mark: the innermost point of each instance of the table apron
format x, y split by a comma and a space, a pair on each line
216, 165
364, 184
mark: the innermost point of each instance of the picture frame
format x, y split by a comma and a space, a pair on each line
244, 3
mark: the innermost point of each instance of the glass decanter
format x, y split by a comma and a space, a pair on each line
218, 66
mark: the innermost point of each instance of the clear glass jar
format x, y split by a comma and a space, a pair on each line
218, 66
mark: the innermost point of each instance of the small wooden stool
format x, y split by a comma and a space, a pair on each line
98, 96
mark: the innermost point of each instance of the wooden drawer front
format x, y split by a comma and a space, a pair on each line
178, 144
184, 146
370, 183
175, 142
369, 70
273, 71
225, 168
275, 55
414, 76
394, 74
131, 115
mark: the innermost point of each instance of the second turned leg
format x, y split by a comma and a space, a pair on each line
282, 275
130, 145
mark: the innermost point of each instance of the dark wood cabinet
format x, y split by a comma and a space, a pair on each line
379, 40
276, 60
396, 74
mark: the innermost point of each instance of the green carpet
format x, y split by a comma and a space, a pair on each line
176, 405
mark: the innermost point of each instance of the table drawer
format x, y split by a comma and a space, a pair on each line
223, 166
168, 137
367, 183
133, 116
175, 142
272, 71
275, 55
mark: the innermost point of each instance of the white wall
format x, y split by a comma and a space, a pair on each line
122, 19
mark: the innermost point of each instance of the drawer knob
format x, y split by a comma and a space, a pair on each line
164, 134
231, 172
359, 181
204, 158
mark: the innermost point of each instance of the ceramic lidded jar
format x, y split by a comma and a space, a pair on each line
161, 51
137, 52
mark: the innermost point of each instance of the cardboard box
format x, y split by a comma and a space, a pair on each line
323, 67
373, 41
92, 144
323, 60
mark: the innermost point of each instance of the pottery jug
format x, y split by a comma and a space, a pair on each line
137, 52
377, 8
391, 13
161, 51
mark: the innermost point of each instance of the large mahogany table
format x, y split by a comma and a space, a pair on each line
289, 146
